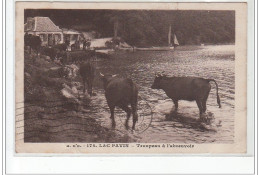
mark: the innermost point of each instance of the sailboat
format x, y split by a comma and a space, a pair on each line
170, 47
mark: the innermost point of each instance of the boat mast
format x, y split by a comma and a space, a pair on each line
169, 35
115, 28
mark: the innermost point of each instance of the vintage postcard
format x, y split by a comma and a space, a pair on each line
130, 78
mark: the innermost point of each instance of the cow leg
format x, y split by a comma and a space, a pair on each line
84, 86
128, 112
204, 106
36, 52
204, 102
112, 108
176, 105
135, 115
199, 105
90, 87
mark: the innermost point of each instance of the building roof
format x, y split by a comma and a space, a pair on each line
41, 24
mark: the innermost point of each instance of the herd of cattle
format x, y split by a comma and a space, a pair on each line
34, 43
58, 51
122, 92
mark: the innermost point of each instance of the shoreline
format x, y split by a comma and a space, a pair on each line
50, 117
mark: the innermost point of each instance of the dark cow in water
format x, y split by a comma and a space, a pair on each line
186, 88
121, 92
87, 72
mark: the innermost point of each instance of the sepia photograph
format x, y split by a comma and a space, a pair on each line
113, 80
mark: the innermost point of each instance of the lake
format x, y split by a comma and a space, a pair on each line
157, 122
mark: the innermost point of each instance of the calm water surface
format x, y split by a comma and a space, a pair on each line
216, 62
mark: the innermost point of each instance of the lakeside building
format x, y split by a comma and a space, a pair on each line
44, 27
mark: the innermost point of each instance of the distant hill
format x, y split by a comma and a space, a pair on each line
149, 28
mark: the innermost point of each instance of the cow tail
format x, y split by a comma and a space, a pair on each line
218, 99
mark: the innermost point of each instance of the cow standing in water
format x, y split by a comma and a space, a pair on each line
121, 92
87, 72
186, 88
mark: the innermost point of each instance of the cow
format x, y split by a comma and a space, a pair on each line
34, 42
186, 88
62, 56
61, 47
87, 71
51, 52
121, 92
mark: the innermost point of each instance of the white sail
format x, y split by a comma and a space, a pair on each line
175, 41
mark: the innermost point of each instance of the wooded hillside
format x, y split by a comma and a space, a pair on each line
146, 27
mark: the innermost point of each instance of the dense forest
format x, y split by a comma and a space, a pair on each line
148, 27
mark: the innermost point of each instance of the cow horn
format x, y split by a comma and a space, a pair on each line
114, 75
102, 75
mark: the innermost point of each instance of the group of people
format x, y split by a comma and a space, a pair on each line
76, 46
